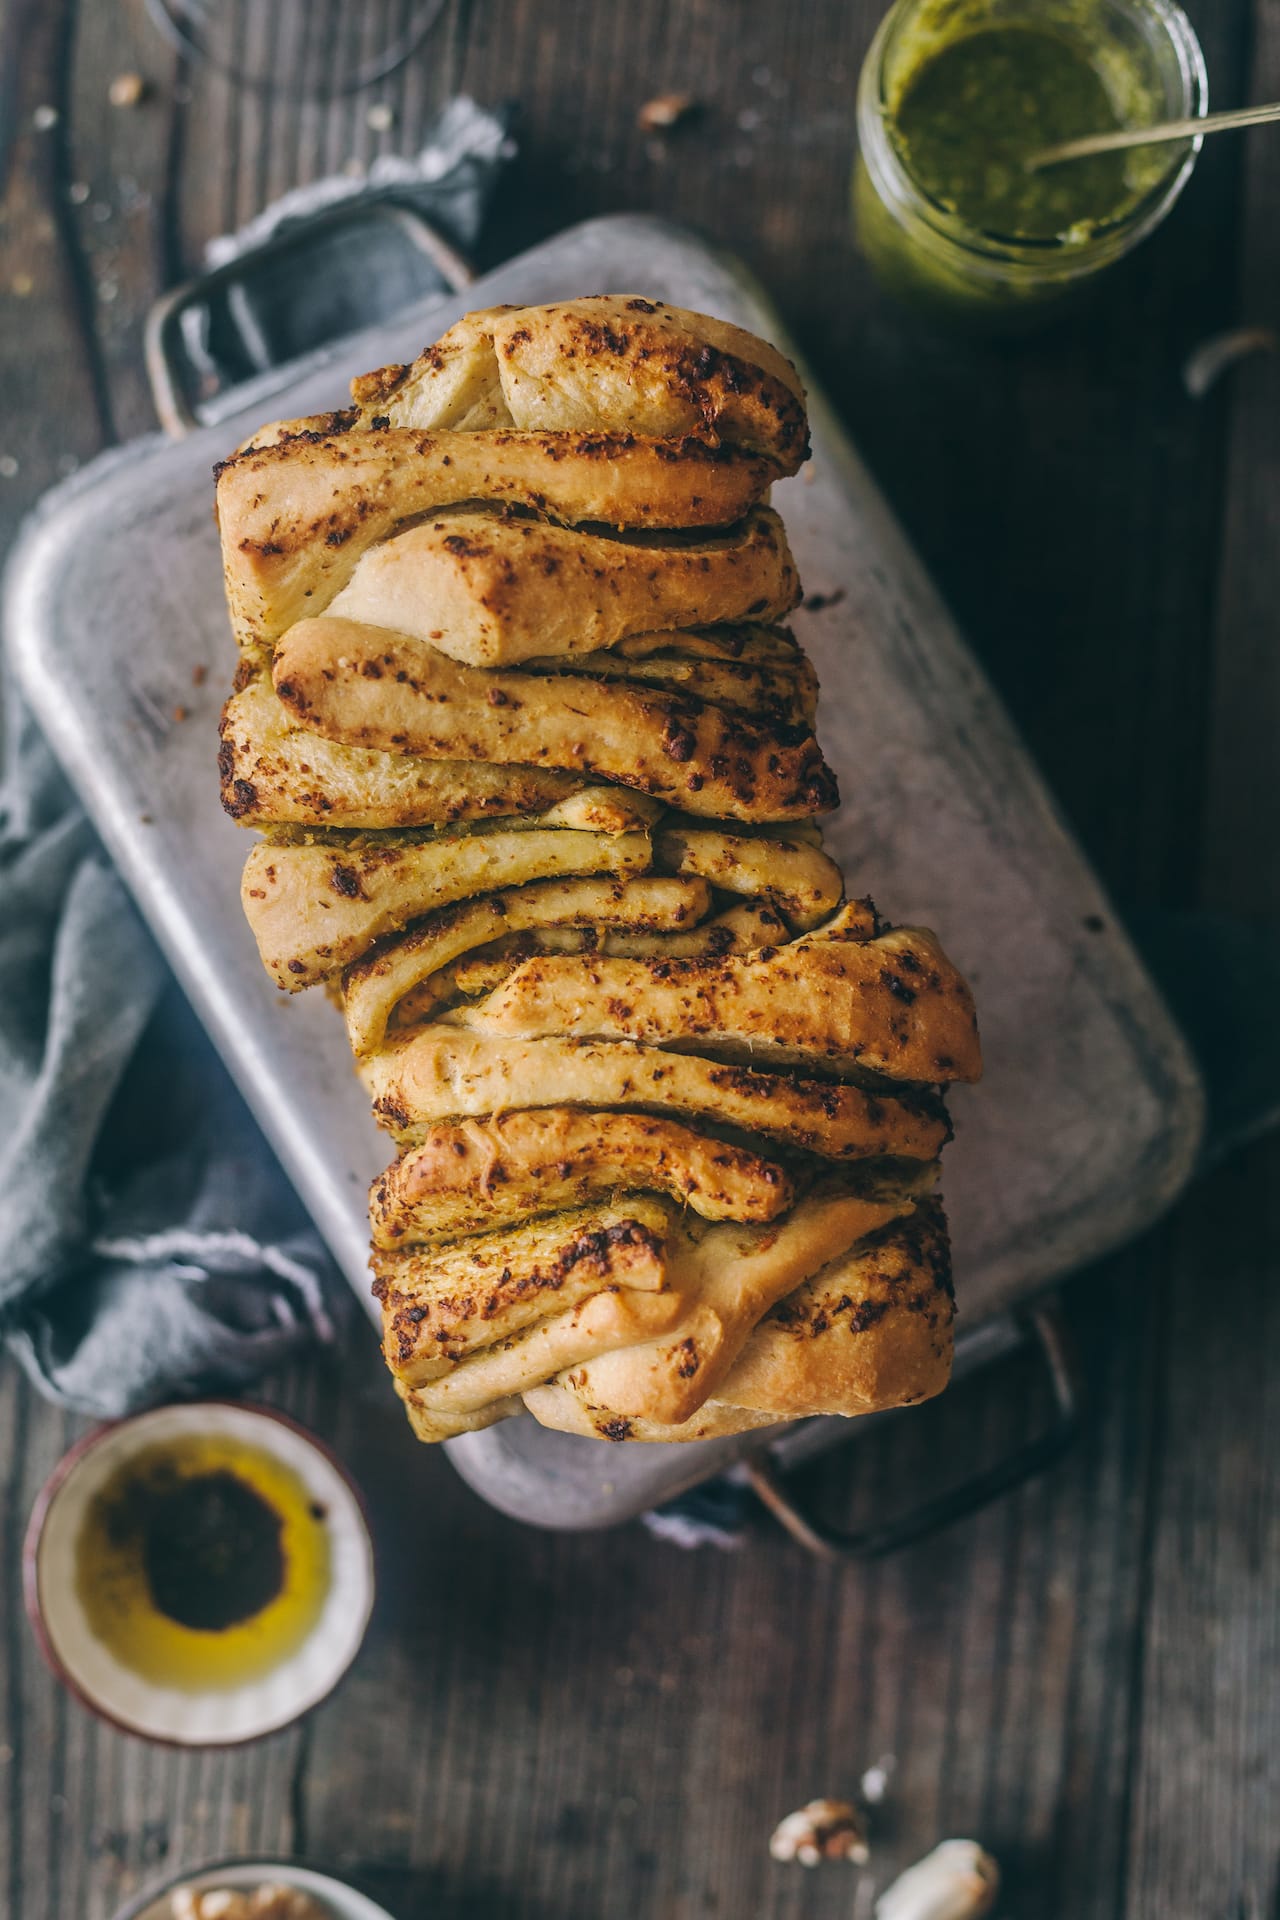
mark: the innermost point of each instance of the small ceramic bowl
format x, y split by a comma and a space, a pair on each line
338, 1899
213, 1718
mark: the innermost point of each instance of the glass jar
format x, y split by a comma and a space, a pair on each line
298, 49
1147, 57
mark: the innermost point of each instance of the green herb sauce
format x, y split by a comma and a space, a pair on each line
971, 113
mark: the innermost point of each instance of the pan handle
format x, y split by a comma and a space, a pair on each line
1042, 1328
237, 299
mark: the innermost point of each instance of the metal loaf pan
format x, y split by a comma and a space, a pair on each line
1087, 1122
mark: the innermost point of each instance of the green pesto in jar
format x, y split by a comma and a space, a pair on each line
971, 113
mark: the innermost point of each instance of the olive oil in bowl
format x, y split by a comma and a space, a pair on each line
200, 1574
203, 1562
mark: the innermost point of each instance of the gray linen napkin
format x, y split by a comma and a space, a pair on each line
149, 1244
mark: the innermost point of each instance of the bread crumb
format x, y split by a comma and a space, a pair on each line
664, 111
127, 90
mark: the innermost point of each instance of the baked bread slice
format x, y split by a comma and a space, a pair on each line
295, 517
465, 1175
439, 1072
493, 590
664, 370
783, 692
441, 1303
792, 874
434, 1427
730, 1276
555, 1405
872, 1330
276, 773
314, 909
614, 360
609, 1319
371, 687
453, 383
893, 1005
384, 975
478, 973
599, 809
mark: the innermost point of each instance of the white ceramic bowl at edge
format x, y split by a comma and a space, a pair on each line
223, 1717
340, 1900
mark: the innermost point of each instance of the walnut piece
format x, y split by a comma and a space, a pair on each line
824, 1830
271, 1901
664, 111
127, 90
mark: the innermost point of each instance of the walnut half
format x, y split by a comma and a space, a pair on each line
824, 1830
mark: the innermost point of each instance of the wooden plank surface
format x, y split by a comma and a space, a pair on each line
1084, 1676
1207, 1769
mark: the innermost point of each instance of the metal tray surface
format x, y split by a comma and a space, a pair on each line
1087, 1122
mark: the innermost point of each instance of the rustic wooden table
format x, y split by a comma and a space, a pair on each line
1087, 1676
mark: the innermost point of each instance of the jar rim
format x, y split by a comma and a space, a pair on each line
982, 251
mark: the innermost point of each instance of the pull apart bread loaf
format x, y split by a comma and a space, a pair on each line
532, 755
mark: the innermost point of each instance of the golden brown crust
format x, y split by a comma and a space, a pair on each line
441, 1072
783, 693
274, 772
731, 1276
798, 878
493, 591
611, 360
295, 517
737, 931
553, 1405
894, 1005
369, 687
315, 909
396, 966
873, 1330
441, 1303
434, 1427
465, 1175
852, 920
662, 369
306, 427
453, 383
746, 641
616, 1317
604, 809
